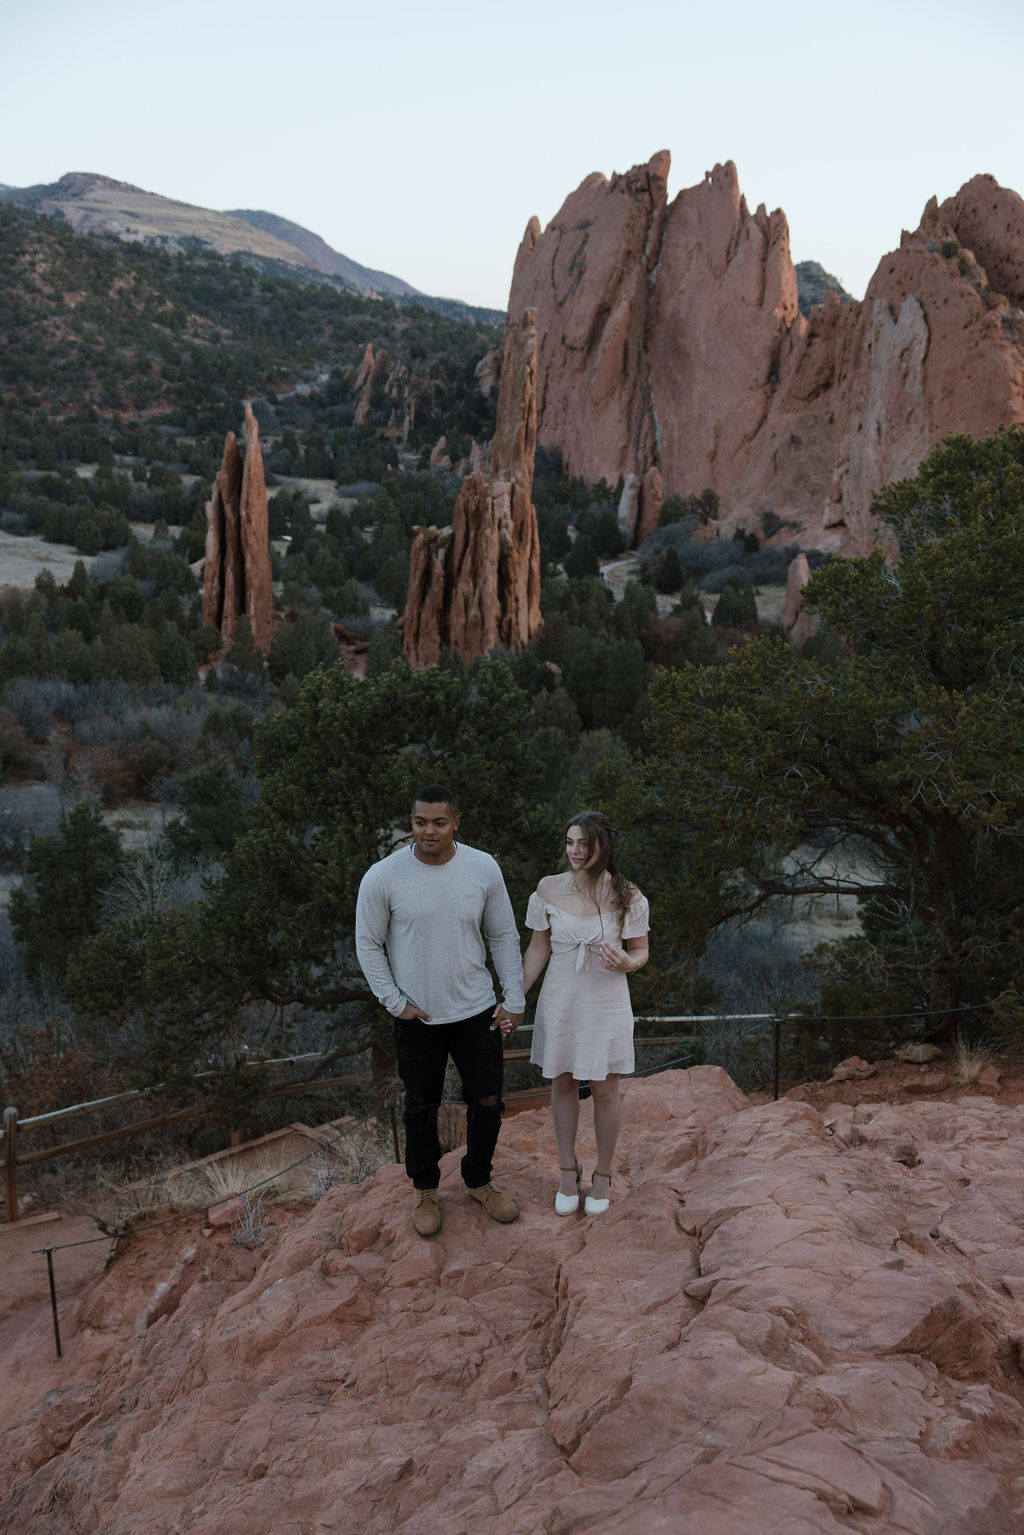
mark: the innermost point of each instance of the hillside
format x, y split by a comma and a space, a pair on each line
94, 204
788, 1320
91, 326
320, 254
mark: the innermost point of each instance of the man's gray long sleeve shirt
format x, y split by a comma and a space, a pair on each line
420, 932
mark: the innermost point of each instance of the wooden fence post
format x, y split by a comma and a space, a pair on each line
11, 1163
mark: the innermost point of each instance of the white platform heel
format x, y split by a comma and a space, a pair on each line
568, 1204
598, 1206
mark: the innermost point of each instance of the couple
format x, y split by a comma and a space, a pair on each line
421, 919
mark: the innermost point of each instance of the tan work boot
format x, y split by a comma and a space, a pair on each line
498, 1205
426, 1216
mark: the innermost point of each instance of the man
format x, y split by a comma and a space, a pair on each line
421, 917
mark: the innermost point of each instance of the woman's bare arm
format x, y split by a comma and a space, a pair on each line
536, 957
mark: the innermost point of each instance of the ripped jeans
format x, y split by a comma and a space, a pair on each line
423, 1050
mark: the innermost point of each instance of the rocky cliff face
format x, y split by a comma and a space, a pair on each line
237, 576
787, 1320
670, 336
476, 585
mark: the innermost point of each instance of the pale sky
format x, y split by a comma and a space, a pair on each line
418, 139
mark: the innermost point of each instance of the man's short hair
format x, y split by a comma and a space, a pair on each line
434, 794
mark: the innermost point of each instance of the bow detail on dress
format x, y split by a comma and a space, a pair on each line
586, 949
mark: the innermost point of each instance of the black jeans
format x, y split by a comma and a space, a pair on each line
423, 1050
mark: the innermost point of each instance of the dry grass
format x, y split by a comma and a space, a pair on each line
969, 1061
273, 1176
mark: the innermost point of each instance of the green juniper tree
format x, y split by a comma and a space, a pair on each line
902, 759
59, 905
273, 939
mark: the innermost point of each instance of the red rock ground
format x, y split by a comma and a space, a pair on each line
800, 1317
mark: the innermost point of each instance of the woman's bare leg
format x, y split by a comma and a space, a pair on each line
607, 1126
565, 1112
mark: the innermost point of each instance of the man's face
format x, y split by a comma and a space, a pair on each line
433, 828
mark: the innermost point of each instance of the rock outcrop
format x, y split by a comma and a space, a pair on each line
476, 585
237, 574
400, 388
787, 1320
670, 336
798, 624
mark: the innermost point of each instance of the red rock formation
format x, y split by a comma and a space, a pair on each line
236, 572
796, 621
670, 336
589, 277
363, 380
787, 1321
488, 371
476, 585
651, 498
399, 386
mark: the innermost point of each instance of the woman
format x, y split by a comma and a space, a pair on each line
592, 925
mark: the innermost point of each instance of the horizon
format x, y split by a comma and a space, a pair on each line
473, 125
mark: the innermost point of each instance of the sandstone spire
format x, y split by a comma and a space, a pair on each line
236, 572
476, 585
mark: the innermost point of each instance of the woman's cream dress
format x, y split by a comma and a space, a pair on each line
584, 1020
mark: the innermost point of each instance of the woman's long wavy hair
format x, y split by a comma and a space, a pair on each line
597, 834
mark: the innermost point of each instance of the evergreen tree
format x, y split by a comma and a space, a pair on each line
58, 905
906, 759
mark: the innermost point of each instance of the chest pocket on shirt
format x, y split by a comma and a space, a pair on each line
470, 907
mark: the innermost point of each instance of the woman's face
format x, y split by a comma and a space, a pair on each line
576, 849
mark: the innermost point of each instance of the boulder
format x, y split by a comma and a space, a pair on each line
852, 1070
919, 1053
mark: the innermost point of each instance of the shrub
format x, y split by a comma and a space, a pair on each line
736, 606
581, 561
58, 906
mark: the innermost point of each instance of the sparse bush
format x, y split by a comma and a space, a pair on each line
970, 1059
36, 701
252, 1225
721, 560
26, 812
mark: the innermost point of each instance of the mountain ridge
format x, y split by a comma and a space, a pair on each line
94, 203
324, 256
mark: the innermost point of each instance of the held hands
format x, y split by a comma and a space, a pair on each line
505, 1021
614, 958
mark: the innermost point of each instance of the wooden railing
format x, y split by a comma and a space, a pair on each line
14, 1127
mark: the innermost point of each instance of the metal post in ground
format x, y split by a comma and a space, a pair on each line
11, 1163
777, 1052
394, 1131
53, 1299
